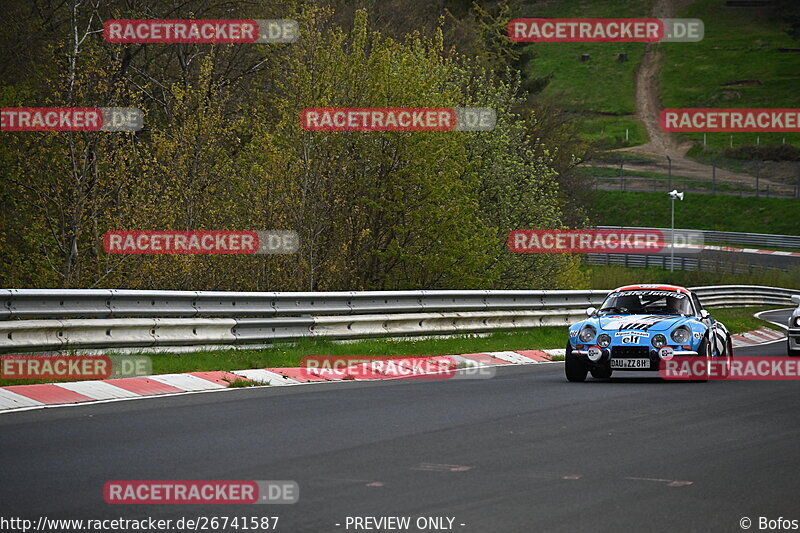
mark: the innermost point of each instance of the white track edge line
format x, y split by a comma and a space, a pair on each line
183, 393
784, 326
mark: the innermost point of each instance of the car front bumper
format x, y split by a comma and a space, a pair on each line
794, 338
583, 356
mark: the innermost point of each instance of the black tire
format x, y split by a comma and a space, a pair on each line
603, 372
728, 357
704, 352
790, 352
574, 369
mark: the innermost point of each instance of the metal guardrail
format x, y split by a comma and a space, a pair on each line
744, 295
680, 263
749, 240
113, 303
55, 320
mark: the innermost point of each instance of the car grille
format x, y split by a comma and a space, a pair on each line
630, 351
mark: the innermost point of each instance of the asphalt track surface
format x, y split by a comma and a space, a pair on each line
524, 451
764, 260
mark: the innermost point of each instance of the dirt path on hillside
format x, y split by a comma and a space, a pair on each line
648, 109
648, 105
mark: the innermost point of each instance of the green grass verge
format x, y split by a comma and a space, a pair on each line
616, 156
698, 211
609, 277
741, 319
288, 355
737, 64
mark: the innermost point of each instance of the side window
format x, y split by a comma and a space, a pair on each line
697, 306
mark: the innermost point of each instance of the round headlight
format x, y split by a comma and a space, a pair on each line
659, 340
587, 333
681, 335
603, 340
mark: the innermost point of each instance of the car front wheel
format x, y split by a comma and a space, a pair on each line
728, 357
704, 352
574, 369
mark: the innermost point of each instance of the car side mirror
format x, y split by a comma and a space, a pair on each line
796, 299
590, 311
704, 313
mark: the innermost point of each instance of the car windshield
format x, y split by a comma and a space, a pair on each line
647, 302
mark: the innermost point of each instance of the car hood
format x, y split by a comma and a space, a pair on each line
640, 322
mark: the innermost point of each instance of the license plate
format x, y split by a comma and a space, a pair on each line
630, 363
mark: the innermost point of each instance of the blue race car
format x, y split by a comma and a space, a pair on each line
639, 326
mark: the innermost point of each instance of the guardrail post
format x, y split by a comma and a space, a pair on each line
714, 176
797, 185
669, 171
758, 176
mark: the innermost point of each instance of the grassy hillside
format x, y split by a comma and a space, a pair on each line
738, 64
699, 211
600, 91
